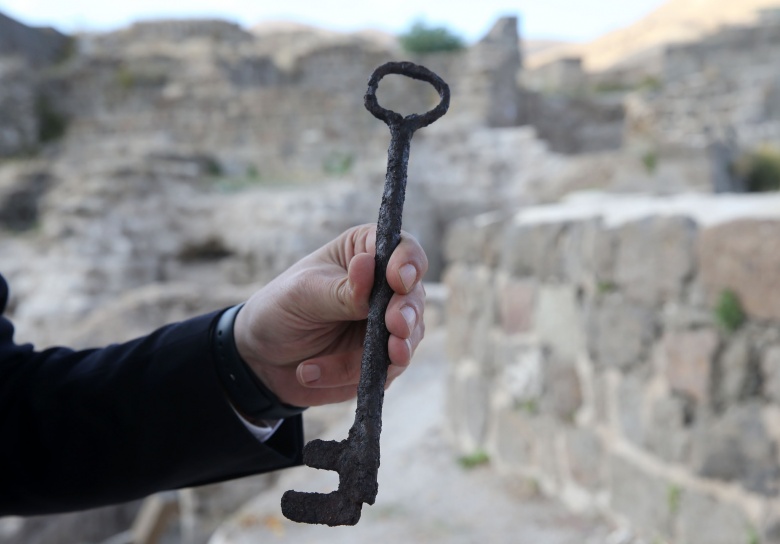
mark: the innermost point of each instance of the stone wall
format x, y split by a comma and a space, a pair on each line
38, 46
19, 118
23, 52
728, 81
287, 112
598, 353
574, 124
562, 75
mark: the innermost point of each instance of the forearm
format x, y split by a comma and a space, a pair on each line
101, 426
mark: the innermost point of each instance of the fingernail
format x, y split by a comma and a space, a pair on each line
408, 274
310, 373
409, 345
410, 316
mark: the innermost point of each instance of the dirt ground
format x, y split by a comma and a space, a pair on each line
425, 495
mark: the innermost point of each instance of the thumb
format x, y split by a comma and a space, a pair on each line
349, 294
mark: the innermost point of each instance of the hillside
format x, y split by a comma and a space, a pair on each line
674, 21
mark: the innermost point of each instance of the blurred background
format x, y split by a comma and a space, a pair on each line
599, 207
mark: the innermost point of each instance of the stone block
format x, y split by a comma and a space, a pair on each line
585, 458
561, 392
578, 245
605, 252
475, 240
679, 316
559, 320
771, 529
515, 301
522, 373
687, 360
704, 520
545, 453
514, 437
668, 431
770, 368
601, 394
642, 497
655, 258
533, 249
470, 311
737, 447
738, 371
619, 331
630, 409
468, 404
587, 252
459, 332
743, 256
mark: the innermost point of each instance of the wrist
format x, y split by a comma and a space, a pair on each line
248, 394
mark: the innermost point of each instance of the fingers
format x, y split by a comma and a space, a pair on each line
408, 264
334, 370
404, 320
355, 251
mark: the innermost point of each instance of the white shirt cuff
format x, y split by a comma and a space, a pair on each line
261, 432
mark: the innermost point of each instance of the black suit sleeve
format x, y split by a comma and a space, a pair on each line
80, 429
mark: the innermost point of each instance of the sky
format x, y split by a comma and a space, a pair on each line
571, 20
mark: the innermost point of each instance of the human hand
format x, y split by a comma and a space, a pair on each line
302, 334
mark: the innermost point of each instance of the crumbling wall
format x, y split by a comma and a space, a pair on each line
286, 113
729, 81
574, 124
23, 52
38, 46
18, 115
623, 354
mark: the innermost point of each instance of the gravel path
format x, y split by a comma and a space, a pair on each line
424, 496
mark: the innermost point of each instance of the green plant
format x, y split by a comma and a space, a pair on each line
606, 286
212, 167
649, 83
529, 406
760, 169
252, 172
611, 87
753, 537
473, 460
728, 311
421, 38
673, 494
650, 161
337, 164
125, 78
67, 52
52, 125
141, 74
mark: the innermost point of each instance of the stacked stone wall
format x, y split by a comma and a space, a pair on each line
575, 124
591, 355
728, 82
285, 113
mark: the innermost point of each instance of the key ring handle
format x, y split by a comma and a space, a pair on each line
415, 120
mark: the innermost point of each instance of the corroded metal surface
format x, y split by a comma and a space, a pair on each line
356, 459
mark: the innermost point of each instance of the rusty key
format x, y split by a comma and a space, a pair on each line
356, 459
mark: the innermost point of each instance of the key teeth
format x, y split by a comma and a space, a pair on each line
324, 455
319, 508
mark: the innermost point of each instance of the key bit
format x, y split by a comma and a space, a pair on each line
356, 459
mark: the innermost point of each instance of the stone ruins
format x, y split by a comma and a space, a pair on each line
614, 324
